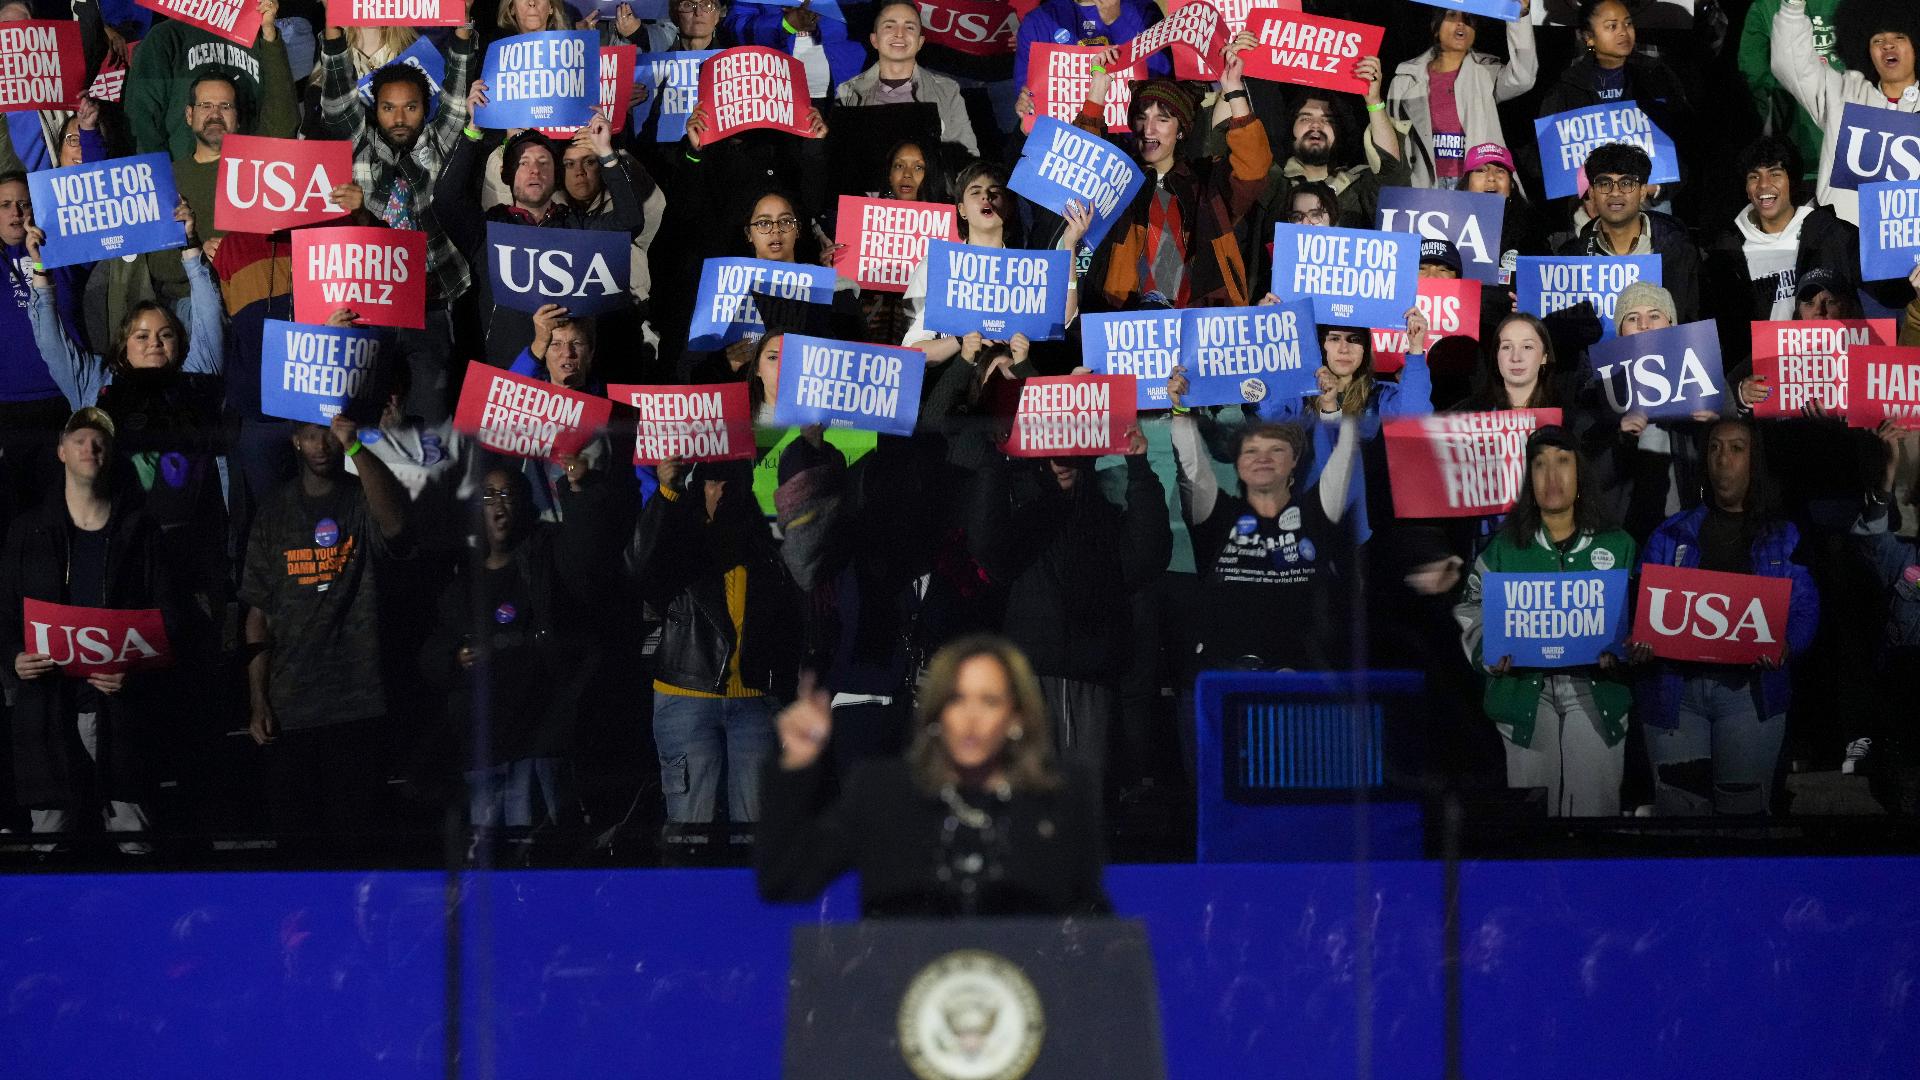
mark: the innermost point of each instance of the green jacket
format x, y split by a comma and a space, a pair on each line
1512, 699
1777, 109
164, 67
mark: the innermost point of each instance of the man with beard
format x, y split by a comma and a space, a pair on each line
213, 112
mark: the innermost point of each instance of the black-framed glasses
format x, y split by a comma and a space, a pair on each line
786, 223
688, 7
1310, 217
1607, 185
495, 495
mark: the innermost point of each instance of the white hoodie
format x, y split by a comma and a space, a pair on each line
1773, 256
1825, 94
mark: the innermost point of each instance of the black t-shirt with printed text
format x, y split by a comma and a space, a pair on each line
1269, 582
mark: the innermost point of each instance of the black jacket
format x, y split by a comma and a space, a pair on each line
1680, 264
1650, 84
1826, 243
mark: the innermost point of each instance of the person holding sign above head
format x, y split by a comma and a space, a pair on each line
1069, 22
1714, 731
1564, 727
81, 139
1617, 173
515, 17
898, 76
818, 41
1448, 96
562, 353
174, 54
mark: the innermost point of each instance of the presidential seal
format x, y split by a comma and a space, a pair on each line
971, 1015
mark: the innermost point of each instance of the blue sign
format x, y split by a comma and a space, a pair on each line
1875, 145
997, 291
1062, 164
724, 311
1667, 374
583, 270
105, 209
1472, 220
1504, 10
1580, 286
1553, 620
1143, 344
1241, 356
644, 10
1889, 229
1567, 138
847, 385
547, 79
672, 80
1356, 277
311, 373
423, 57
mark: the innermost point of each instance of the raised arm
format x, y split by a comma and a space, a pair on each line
342, 116
206, 316
78, 373
1337, 477
1522, 68
1199, 488
1798, 66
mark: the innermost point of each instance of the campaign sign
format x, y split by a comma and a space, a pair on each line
1567, 138
1310, 50
1805, 363
421, 56
1708, 617
397, 13
996, 291
106, 209
545, 79
1233, 19
1883, 383
1552, 620
378, 274
644, 10
974, 27
1236, 356
1504, 10
1889, 229
583, 270
843, 384
521, 417
1058, 77
236, 20
616, 91
882, 240
266, 185
1580, 286
87, 641
41, 65
1357, 277
1142, 344
1875, 145
1061, 163
1460, 464
110, 83
1072, 416
751, 87
1666, 374
1452, 308
692, 423
1472, 220
724, 311
1196, 28
311, 373
673, 88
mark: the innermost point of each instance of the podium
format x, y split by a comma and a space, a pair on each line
973, 999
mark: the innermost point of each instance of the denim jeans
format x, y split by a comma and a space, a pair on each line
701, 739
503, 795
1720, 759
1568, 754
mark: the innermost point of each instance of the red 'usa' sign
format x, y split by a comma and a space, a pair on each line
1711, 617
974, 27
882, 240
1307, 50
510, 414
1805, 363
1460, 465
97, 641
41, 66
1883, 383
1058, 77
266, 185
236, 20
1452, 308
378, 274
693, 423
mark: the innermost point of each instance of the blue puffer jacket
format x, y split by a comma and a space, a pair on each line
1677, 543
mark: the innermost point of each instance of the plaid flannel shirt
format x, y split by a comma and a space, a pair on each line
376, 163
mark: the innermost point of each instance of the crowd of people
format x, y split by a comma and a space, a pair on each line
395, 615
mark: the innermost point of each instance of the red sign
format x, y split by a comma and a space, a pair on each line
1806, 362
1460, 465
1883, 383
378, 274
1196, 28
1058, 77
1710, 617
1452, 308
1072, 416
111, 82
397, 13
41, 65
616, 90
974, 27
882, 240
522, 417
693, 423
266, 185
751, 87
236, 20
96, 641
1233, 19
1307, 50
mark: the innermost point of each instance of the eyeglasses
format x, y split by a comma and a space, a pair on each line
1607, 185
688, 7
495, 495
786, 224
1308, 217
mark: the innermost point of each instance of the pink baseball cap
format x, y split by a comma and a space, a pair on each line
1488, 153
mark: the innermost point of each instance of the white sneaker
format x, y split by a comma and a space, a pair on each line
1857, 752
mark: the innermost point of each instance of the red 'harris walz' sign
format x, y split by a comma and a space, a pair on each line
378, 274
87, 641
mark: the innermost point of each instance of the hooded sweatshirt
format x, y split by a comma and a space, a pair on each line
1772, 256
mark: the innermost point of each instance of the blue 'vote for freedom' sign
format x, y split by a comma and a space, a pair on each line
847, 385
996, 291
1356, 277
423, 57
1143, 344
1567, 138
583, 270
673, 89
1875, 145
1472, 220
1504, 10
105, 209
1666, 374
1580, 286
724, 311
1061, 164
1236, 356
1553, 620
311, 373
1889, 229
547, 79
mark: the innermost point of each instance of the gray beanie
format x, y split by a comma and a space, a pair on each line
1644, 294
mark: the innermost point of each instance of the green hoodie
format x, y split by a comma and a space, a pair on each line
1783, 115
173, 55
